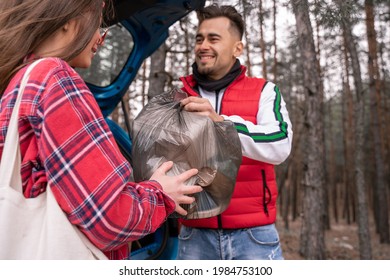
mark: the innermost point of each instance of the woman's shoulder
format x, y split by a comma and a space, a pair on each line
52, 70
52, 65
43, 71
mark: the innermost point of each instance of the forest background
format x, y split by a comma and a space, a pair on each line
331, 60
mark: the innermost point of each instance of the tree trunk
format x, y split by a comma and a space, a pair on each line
125, 103
312, 236
262, 42
328, 185
184, 28
348, 139
373, 72
331, 163
158, 77
362, 211
248, 63
115, 114
143, 90
275, 65
385, 110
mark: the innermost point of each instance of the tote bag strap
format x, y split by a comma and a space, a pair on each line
11, 159
51, 217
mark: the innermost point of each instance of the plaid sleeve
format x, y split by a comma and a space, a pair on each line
88, 175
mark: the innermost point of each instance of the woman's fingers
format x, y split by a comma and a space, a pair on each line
186, 190
186, 199
165, 167
187, 175
180, 210
175, 185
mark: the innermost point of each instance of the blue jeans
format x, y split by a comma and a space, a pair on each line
258, 243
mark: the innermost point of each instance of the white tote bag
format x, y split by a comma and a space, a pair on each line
34, 228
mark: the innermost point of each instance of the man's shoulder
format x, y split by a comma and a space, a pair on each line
256, 82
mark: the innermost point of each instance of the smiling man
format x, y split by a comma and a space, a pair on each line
220, 89
215, 47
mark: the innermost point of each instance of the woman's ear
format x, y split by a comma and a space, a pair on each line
70, 26
238, 48
65, 27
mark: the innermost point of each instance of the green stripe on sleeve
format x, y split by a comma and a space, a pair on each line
272, 137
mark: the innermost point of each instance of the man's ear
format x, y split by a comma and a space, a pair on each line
238, 48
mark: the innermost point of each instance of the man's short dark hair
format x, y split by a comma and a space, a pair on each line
214, 11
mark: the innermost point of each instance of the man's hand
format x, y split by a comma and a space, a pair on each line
201, 106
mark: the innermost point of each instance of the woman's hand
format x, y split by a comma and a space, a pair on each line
175, 186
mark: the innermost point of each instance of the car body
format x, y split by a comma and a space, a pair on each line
138, 29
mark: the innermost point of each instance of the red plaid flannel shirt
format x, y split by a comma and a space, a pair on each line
66, 141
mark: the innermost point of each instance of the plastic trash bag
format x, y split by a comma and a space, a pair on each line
163, 131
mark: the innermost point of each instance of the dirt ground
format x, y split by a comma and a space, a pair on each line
341, 240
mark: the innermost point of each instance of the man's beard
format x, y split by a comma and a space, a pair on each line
202, 76
205, 71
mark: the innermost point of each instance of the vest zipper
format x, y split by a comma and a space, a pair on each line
226, 89
219, 218
266, 191
216, 101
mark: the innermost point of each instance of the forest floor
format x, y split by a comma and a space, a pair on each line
342, 241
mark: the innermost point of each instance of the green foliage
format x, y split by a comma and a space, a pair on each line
331, 14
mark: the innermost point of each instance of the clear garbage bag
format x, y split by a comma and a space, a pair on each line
162, 132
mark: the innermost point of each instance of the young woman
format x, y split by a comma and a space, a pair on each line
64, 139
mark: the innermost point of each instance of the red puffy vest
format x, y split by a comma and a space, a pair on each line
254, 198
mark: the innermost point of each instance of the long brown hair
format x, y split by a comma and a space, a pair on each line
25, 24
